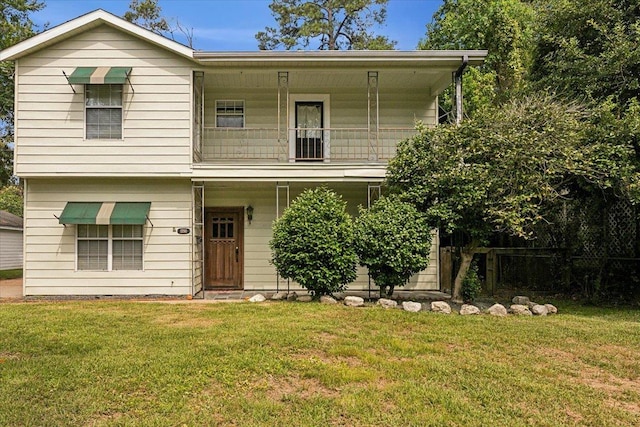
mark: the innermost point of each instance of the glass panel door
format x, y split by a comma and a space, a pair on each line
309, 131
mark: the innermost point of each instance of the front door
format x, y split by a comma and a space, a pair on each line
309, 123
224, 229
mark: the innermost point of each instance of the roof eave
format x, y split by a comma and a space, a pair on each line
475, 57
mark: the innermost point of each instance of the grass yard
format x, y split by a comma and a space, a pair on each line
11, 274
91, 363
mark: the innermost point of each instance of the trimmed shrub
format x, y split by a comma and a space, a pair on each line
313, 243
393, 241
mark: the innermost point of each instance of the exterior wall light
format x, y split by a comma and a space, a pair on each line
250, 213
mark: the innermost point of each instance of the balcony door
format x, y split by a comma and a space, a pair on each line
309, 124
309, 131
224, 231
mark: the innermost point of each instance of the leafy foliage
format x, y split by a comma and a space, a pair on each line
11, 200
393, 241
147, 14
471, 285
501, 170
589, 50
313, 242
332, 24
503, 27
15, 26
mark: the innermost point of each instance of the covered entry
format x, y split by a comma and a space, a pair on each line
224, 248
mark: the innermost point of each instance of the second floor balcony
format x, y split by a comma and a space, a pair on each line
346, 145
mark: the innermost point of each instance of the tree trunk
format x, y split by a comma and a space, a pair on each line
467, 256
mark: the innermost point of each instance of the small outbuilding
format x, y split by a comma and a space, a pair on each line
10, 241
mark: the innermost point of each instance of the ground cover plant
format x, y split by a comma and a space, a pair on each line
98, 363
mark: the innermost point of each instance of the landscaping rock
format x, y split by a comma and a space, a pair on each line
411, 306
387, 303
292, 296
539, 310
352, 301
339, 296
468, 309
279, 296
551, 309
440, 307
530, 304
520, 310
520, 300
497, 310
304, 298
327, 299
257, 298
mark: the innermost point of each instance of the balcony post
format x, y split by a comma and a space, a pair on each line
373, 114
198, 115
283, 115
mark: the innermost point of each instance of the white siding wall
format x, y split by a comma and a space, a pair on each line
398, 108
259, 274
10, 249
50, 247
50, 118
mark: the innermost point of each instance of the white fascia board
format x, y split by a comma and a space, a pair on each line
475, 57
85, 22
327, 173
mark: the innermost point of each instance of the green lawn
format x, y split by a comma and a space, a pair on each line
294, 364
11, 274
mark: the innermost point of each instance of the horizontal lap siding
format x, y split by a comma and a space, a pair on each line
156, 118
259, 273
349, 108
10, 249
51, 247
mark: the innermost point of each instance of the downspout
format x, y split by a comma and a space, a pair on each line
458, 83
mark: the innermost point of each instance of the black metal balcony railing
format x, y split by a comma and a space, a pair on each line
326, 144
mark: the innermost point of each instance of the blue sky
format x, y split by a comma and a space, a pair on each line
229, 25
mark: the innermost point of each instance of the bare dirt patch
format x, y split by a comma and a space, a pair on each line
303, 388
182, 322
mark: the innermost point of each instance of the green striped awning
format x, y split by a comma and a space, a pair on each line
103, 213
99, 75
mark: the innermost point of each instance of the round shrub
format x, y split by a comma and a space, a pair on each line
393, 241
312, 242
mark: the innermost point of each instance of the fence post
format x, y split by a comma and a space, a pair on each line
491, 276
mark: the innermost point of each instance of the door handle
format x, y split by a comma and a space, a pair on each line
237, 252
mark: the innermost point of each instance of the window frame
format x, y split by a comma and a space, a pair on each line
110, 239
235, 102
87, 108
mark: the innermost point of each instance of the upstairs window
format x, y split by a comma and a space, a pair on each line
103, 109
230, 114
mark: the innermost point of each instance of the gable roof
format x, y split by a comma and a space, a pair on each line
9, 220
85, 22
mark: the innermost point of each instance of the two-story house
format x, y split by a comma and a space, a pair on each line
153, 168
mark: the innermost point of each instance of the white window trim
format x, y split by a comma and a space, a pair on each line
325, 98
84, 112
244, 113
110, 239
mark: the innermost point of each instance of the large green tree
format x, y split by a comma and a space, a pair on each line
502, 170
148, 14
15, 26
325, 25
504, 27
589, 50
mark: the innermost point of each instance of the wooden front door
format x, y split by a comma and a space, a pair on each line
224, 235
